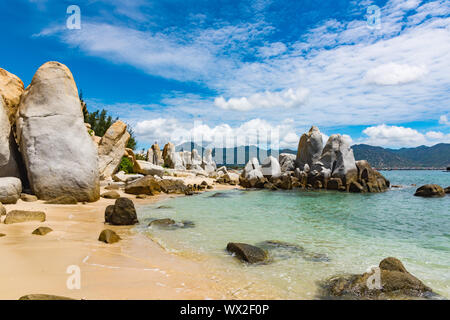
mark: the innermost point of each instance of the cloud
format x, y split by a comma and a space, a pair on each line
444, 120
287, 98
394, 74
396, 136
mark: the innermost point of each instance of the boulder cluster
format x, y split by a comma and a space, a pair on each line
315, 166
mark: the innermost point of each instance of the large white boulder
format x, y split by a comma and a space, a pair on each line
270, 167
208, 163
10, 190
121, 176
148, 168
8, 148
310, 147
112, 148
172, 159
252, 164
338, 157
60, 156
287, 161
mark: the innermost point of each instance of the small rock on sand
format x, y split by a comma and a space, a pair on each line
42, 231
111, 195
108, 236
17, 216
62, 200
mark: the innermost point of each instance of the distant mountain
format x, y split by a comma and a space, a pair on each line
437, 156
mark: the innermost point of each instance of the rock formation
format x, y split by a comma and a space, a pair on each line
112, 148
287, 162
154, 155
10, 190
208, 163
309, 147
11, 88
60, 156
9, 156
172, 159
430, 191
270, 167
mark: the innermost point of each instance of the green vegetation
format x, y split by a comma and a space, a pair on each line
126, 165
100, 121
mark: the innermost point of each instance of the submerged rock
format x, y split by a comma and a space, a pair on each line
247, 253
42, 231
18, 216
121, 213
108, 236
162, 222
430, 190
395, 283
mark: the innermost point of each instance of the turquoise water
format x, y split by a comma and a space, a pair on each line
351, 232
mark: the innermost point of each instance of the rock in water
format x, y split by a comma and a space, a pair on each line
447, 190
370, 179
42, 231
10, 190
108, 236
60, 156
246, 252
430, 190
122, 213
396, 283
9, 155
11, 88
270, 167
112, 148
17, 216
338, 156
309, 147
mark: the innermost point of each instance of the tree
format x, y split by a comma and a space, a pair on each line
100, 121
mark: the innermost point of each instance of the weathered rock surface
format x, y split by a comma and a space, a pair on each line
370, 179
42, 231
28, 197
121, 176
338, 156
108, 236
62, 200
172, 159
162, 222
208, 163
11, 89
112, 148
10, 190
287, 162
447, 190
9, 155
396, 283
154, 155
60, 156
146, 185
147, 168
247, 253
121, 213
270, 167
111, 195
173, 186
2, 210
430, 191
310, 147
17, 216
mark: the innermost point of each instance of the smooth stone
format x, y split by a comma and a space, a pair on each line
18, 216
42, 231
62, 200
28, 197
121, 213
10, 190
108, 236
111, 195
247, 253
430, 190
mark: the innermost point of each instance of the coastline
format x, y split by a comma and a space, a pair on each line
134, 268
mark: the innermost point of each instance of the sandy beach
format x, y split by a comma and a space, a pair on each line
134, 268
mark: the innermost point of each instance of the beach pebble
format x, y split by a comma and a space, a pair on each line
108, 236
42, 231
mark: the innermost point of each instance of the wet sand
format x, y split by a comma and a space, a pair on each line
134, 268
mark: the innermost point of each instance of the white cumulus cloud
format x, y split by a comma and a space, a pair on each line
394, 74
287, 98
444, 120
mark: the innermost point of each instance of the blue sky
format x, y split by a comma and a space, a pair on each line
181, 69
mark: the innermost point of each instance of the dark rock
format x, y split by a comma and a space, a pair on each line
355, 187
41, 296
108, 236
430, 190
111, 195
42, 231
186, 224
122, 213
164, 207
162, 222
62, 200
396, 283
2, 235
141, 196
248, 253
219, 195
447, 190
334, 184
17, 216
173, 186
